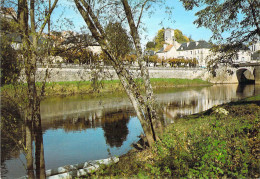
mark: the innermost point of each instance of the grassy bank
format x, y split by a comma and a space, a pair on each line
223, 142
106, 86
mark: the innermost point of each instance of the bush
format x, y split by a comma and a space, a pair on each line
10, 65
206, 145
212, 147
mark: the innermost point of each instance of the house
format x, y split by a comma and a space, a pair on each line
255, 49
149, 52
8, 13
82, 40
16, 40
191, 50
243, 55
199, 50
256, 56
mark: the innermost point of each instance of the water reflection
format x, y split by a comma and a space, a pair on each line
77, 129
78, 139
194, 101
115, 129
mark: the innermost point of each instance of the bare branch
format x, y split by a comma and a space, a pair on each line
88, 21
47, 18
141, 13
94, 17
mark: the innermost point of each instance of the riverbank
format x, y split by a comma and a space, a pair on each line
113, 86
101, 87
222, 142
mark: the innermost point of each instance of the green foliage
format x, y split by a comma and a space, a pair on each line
8, 25
159, 39
10, 64
130, 58
119, 42
94, 87
212, 146
150, 45
75, 55
180, 62
205, 145
239, 18
180, 38
11, 129
174, 62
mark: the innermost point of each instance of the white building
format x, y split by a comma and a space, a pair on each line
199, 50
169, 36
8, 13
255, 46
255, 49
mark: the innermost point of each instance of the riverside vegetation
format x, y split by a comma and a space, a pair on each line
222, 142
98, 87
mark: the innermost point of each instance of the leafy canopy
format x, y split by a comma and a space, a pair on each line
238, 19
118, 39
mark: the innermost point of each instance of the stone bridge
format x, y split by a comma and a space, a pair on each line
248, 72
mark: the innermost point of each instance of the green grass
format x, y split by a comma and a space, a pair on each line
211, 144
178, 81
101, 87
253, 98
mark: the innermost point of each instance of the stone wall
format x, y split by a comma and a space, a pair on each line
86, 74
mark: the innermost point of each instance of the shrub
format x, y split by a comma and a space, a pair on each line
212, 146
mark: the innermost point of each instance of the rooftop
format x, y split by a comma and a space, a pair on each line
194, 45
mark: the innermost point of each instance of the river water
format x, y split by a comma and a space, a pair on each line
77, 129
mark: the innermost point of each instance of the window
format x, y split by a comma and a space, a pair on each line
190, 52
243, 58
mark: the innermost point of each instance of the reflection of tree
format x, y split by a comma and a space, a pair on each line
11, 130
182, 103
115, 128
17, 135
77, 122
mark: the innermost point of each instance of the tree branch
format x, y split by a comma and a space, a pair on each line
88, 21
139, 19
47, 19
254, 16
94, 17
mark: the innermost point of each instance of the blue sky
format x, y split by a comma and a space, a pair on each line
183, 20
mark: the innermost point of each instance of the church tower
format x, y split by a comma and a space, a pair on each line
169, 36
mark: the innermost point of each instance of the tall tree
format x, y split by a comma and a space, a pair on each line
30, 30
159, 39
119, 41
144, 105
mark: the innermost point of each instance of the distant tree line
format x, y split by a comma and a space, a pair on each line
174, 62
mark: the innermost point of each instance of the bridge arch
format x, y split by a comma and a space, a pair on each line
245, 75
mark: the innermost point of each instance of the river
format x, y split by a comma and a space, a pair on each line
77, 129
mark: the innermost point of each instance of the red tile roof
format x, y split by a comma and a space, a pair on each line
168, 48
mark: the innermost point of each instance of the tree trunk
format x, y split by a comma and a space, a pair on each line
39, 151
144, 107
28, 151
151, 112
